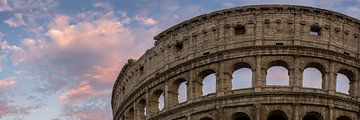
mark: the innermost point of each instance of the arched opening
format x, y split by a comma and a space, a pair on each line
182, 92
158, 101
343, 118
242, 76
277, 74
312, 116
313, 76
161, 101
206, 118
208, 82
142, 109
130, 115
343, 81
277, 115
240, 116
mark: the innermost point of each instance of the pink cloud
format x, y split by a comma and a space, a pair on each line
145, 21
7, 82
7, 109
78, 93
15, 21
28, 42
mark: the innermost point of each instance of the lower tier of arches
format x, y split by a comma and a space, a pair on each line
264, 106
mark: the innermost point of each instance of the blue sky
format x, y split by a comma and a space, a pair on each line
59, 58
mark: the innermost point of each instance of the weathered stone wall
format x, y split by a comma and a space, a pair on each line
273, 34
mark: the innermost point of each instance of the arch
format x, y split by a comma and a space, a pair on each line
206, 118
241, 76
313, 116
142, 109
313, 76
178, 91
158, 100
240, 116
130, 114
343, 118
343, 81
208, 82
277, 115
182, 92
278, 73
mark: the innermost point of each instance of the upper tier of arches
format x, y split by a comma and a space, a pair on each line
271, 26
244, 27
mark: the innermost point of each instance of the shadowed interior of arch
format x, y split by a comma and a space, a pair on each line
277, 115
312, 116
240, 116
343, 118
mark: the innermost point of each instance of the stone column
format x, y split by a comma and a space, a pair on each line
332, 78
258, 80
148, 105
191, 86
297, 77
171, 94
296, 112
326, 79
257, 112
220, 80
331, 109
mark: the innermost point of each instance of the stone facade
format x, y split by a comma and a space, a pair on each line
256, 37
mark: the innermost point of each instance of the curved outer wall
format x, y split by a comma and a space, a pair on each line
274, 34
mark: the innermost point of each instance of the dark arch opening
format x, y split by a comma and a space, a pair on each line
277, 115
130, 115
240, 116
159, 97
343, 118
312, 116
142, 109
206, 118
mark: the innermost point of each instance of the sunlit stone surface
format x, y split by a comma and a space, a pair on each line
265, 62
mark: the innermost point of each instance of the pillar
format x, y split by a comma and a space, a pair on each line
259, 79
332, 78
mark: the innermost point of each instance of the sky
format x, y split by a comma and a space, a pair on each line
59, 58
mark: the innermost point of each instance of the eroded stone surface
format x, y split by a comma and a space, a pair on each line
295, 37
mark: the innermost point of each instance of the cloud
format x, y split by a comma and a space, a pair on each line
28, 42
4, 6
8, 82
6, 47
9, 109
145, 20
81, 58
15, 21
81, 92
93, 109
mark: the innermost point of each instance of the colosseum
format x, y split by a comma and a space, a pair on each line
260, 62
